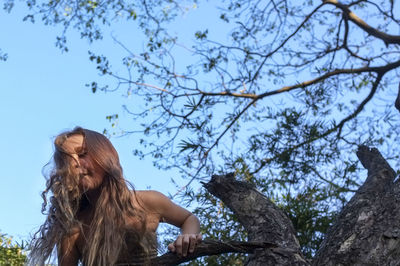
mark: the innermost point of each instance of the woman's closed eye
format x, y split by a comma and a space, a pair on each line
82, 154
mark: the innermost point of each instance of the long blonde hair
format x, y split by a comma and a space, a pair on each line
63, 200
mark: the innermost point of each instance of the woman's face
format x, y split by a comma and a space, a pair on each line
91, 175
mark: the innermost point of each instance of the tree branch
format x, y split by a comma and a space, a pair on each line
338, 127
210, 247
262, 220
387, 38
285, 41
378, 69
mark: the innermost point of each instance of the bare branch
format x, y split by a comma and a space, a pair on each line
285, 41
378, 70
381, 69
212, 247
387, 38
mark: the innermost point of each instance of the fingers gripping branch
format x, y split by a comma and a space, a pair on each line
185, 244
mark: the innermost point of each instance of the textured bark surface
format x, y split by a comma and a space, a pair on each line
262, 220
271, 235
367, 230
211, 247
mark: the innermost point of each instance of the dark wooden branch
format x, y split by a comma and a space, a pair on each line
386, 38
373, 161
367, 69
210, 247
365, 230
262, 219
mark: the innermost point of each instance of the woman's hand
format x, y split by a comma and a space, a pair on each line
185, 244
173, 214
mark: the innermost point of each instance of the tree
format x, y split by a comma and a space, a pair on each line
283, 99
11, 253
364, 233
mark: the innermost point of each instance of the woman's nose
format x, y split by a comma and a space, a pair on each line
75, 162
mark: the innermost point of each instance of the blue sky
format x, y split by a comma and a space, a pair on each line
43, 93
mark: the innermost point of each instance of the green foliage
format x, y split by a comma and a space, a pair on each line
282, 95
11, 254
311, 217
214, 212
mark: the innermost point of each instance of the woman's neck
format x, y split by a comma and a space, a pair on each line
92, 196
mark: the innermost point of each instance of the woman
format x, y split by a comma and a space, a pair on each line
94, 218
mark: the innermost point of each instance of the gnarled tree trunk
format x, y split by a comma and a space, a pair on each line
366, 231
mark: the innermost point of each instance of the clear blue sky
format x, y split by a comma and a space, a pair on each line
43, 93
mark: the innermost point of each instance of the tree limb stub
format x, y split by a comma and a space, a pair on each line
373, 161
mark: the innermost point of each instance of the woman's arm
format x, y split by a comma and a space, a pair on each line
178, 216
189, 237
68, 254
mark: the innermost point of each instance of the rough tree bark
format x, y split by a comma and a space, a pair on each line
262, 219
211, 247
366, 231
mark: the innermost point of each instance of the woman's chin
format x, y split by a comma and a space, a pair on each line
85, 184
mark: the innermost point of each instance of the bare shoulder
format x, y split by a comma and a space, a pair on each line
150, 199
167, 211
152, 203
149, 194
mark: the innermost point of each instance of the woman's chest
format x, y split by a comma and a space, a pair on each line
145, 225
